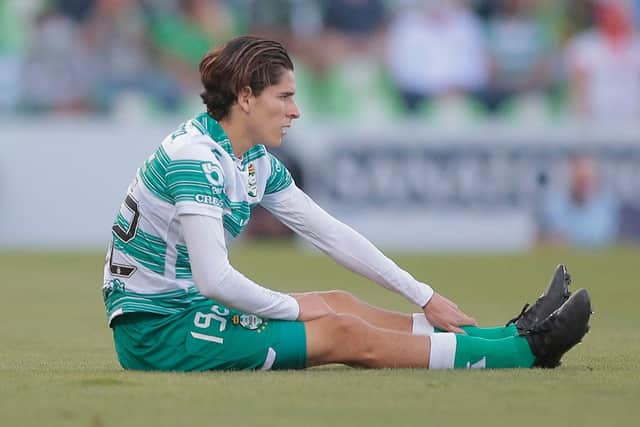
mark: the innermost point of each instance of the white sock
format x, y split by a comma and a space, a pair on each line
421, 325
443, 351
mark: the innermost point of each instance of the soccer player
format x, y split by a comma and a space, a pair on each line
175, 302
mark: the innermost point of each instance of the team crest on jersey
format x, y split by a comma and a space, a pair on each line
252, 181
213, 173
248, 321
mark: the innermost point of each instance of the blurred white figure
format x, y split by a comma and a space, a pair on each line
604, 66
436, 48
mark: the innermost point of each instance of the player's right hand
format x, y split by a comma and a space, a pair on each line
312, 306
446, 315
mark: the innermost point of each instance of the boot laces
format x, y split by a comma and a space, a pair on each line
519, 316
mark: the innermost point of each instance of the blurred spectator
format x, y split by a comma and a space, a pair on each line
604, 66
77, 10
630, 222
520, 53
182, 32
339, 70
56, 74
191, 28
585, 213
116, 35
353, 27
436, 49
11, 51
356, 18
485, 9
579, 16
273, 19
138, 55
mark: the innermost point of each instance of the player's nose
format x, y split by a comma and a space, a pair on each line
294, 111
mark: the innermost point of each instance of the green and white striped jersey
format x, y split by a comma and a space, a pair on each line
194, 171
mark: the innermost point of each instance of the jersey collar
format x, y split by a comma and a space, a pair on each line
212, 128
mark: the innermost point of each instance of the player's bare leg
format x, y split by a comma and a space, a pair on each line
348, 339
554, 296
346, 303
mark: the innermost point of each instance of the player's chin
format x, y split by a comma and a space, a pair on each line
274, 142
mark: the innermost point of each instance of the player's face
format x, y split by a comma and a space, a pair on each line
274, 111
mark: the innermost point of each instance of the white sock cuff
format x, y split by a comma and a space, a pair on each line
443, 351
421, 325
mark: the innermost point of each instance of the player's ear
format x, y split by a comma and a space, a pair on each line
244, 99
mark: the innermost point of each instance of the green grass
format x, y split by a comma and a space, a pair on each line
58, 366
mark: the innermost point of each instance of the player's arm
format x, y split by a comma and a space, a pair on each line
342, 243
352, 250
195, 179
217, 279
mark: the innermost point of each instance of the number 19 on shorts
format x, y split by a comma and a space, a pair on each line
206, 320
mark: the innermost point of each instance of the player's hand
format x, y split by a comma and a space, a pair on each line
312, 306
444, 314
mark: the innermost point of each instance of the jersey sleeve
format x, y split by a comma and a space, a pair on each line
345, 245
195, 181
279, 178
217, 279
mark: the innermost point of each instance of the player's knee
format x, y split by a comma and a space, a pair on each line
338, 338
338, 298
348, 327
352, 335
355, 335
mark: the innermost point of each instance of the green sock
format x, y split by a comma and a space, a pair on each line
474, 352
489, 333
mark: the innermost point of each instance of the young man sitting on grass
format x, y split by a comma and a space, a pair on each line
176, 304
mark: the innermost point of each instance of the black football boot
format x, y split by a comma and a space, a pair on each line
551, 338
553, 297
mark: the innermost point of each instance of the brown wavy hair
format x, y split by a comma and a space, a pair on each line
243, 61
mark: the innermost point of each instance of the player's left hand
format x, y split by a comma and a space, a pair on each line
446, 315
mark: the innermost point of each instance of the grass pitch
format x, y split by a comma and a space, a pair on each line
58, 366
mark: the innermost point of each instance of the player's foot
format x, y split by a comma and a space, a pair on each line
564, 328
553, 297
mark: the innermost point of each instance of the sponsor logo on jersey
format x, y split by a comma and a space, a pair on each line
209, 200
214, 175
253, 182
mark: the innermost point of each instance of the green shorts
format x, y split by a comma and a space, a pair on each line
208, 336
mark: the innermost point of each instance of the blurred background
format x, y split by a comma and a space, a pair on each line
477, 125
